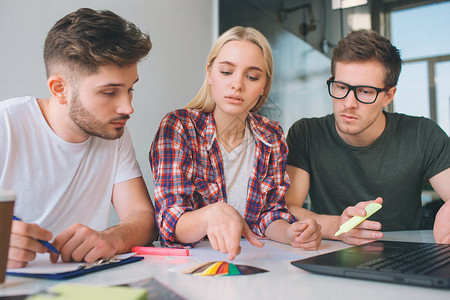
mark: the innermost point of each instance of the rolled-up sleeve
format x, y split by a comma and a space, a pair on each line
172, 168
273, 188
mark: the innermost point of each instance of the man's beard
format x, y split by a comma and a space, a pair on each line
88, 124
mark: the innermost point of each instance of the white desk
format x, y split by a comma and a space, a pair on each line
283, 280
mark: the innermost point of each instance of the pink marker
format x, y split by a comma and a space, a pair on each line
160, 251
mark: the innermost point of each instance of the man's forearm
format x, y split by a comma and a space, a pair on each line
441, 228
138, 229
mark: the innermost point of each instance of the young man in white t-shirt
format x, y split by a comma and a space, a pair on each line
69, 156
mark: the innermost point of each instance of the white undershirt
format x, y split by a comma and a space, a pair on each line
58, 183
237, 167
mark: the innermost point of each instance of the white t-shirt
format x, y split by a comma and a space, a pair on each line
237, 168
59, 183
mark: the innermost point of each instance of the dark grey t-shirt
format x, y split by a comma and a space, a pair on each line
393, 167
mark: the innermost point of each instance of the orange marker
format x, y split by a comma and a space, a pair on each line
160, 251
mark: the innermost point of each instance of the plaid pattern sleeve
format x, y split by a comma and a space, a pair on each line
172, 166
275, 207
270, 190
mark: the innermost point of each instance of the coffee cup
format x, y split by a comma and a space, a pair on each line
7, 200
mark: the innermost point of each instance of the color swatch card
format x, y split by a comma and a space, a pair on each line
222, 268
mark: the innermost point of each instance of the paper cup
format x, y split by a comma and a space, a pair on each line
7, 199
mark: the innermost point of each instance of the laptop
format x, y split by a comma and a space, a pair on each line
418, 264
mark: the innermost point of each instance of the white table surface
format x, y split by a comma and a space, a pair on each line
283, 280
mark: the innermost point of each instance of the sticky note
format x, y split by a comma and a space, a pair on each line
370, 208
86, 292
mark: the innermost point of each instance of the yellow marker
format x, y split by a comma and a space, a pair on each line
371, 208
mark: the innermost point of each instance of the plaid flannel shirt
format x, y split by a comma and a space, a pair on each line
188, 171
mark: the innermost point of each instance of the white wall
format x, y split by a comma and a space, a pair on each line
181, 33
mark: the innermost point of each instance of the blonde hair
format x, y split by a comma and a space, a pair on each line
203, 101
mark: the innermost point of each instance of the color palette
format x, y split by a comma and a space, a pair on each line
222, 268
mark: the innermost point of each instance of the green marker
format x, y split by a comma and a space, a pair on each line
371, 208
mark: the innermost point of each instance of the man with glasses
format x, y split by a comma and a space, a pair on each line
361, 154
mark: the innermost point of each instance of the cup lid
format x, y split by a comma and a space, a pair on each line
7, 195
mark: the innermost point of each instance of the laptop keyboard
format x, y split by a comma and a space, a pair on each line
420, 261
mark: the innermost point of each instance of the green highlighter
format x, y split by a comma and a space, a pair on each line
371, 208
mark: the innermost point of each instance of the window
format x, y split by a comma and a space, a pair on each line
423, 87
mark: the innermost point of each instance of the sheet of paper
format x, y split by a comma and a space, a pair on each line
124, 256
43, 265
248, 253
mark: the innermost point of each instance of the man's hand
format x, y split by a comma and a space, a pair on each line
224, 228
23, 243
441, 230
365, 232
81, 243
305, 234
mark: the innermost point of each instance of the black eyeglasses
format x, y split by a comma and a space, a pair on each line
363, 93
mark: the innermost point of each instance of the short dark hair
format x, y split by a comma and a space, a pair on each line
86, 39
367, 45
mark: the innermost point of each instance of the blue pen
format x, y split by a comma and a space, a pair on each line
45, 243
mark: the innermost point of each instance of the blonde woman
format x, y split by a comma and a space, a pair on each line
219, 169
